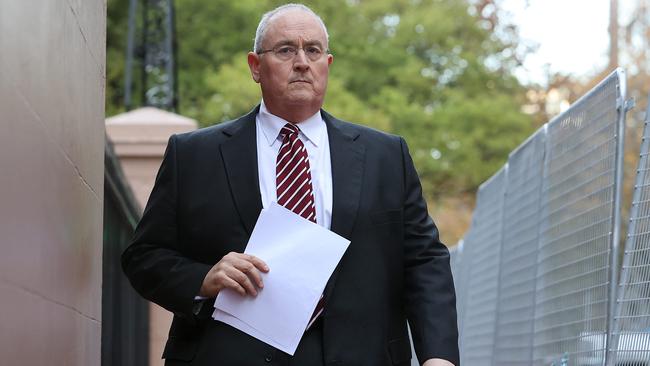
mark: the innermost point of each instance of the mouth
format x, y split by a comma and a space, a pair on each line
300, 81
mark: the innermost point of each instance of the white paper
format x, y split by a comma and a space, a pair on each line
301, 256
235, 322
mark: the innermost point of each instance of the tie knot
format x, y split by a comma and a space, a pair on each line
289, 129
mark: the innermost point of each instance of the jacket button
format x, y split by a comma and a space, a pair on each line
268, 358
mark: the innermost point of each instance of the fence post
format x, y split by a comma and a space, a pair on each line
616, 230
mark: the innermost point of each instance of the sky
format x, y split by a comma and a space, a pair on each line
571, 35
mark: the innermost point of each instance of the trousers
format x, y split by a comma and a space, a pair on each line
309, 351
251, 352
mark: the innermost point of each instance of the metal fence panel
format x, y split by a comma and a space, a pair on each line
576, 225
631, 344
516, 304
479, 318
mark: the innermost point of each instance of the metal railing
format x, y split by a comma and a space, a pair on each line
125, 314
537, 275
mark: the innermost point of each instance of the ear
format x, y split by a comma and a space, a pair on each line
254, 65
330, 59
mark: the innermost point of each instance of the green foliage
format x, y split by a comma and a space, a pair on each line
116, 37
229, 93
425, 69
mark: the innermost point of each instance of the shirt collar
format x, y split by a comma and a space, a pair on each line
312, 128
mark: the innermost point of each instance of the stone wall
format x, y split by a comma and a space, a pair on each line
52, 76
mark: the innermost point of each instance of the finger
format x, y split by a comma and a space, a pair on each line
243, 280
252, 272
256, 276
234, 285
258, 263
250, 258
248, 268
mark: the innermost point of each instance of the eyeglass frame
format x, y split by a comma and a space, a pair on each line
274, 50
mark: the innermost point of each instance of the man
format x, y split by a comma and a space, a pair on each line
358, 182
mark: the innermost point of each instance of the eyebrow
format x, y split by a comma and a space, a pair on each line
285, 42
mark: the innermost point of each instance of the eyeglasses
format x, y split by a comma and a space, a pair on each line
288, 52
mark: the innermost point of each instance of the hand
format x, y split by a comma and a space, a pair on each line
437, 362
237, 271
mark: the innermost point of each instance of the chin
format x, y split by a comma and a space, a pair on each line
301, 98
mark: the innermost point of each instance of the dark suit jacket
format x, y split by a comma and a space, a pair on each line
205, 203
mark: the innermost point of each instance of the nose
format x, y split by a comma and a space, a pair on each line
300, 62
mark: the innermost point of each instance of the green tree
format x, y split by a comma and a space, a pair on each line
432, 71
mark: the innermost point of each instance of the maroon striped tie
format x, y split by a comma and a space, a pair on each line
293, 184
293, 178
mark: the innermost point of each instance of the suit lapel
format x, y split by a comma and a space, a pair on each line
347, 156
347, 159
239, 156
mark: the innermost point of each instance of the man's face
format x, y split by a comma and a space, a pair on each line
298, 83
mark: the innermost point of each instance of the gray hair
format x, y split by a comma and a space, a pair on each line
266, 19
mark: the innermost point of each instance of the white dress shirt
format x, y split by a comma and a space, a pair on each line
313, 133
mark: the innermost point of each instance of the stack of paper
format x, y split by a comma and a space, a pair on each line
301, 256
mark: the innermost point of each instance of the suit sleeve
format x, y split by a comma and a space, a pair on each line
154, 262
430, 297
